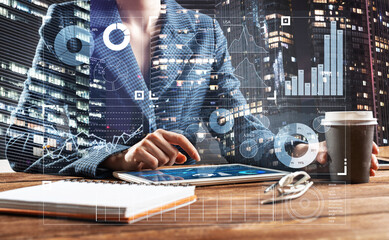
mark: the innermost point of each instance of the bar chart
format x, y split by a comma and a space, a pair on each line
326, 79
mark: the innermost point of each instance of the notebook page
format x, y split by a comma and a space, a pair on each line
136, 198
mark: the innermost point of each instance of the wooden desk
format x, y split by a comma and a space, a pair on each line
229, 212
384, 153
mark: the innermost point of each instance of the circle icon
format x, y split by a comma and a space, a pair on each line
285, 135
248, 149
102, 71
73, 45
318, 126
221, 121
197, 131
308, 207
264, 120
125, 38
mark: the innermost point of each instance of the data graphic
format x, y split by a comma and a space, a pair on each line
247, 48
287, 135
102, 68
318, 127
264, 120
73, 45
196, 130
125, 35
326, 79
98, 144
249, 148
245, 43
246, 73
221, 121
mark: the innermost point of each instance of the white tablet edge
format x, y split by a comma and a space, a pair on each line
207, 181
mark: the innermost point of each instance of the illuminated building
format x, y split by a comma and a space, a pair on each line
50, 78
366, 54
357, 94
242, 25
378, 15
16, 54
281, 63
203, 6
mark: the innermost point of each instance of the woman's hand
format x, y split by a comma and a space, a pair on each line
155, 150
323, 155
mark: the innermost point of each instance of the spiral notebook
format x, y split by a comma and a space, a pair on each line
96, 201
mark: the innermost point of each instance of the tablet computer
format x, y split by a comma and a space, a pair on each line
202, 175
383, 163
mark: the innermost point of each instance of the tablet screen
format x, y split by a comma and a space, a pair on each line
222, 171
383, 162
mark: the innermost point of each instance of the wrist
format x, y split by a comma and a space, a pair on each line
115, 161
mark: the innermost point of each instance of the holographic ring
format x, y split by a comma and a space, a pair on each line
285, 135
81, 55
215, 118
126, 37
316, 124
197, 131
249, 148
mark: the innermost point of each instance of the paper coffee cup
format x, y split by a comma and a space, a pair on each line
349, 144
349, 118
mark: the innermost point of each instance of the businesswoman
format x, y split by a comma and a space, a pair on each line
158, 77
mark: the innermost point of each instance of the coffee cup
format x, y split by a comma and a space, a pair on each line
349, 144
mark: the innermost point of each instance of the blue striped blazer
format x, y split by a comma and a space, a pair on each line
192, 80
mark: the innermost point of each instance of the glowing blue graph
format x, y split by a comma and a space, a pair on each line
248, 76
245, 44
326, 79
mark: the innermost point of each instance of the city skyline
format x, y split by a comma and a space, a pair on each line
368, 89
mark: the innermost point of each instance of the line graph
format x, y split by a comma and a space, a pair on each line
245, 44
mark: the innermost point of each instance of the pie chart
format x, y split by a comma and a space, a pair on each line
125, 38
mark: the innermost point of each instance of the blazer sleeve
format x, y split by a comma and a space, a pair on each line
30, 125
246, 127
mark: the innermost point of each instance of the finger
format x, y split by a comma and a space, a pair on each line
165, 146
376, 149
181, 158
141, 166
138, 165
156, 152
323, 152
321, 157
372, 173
182, 141
131, 165
374, 162
172, 161
146, 158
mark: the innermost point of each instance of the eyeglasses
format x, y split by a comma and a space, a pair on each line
285, 189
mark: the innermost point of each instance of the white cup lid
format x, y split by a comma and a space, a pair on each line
349, 118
